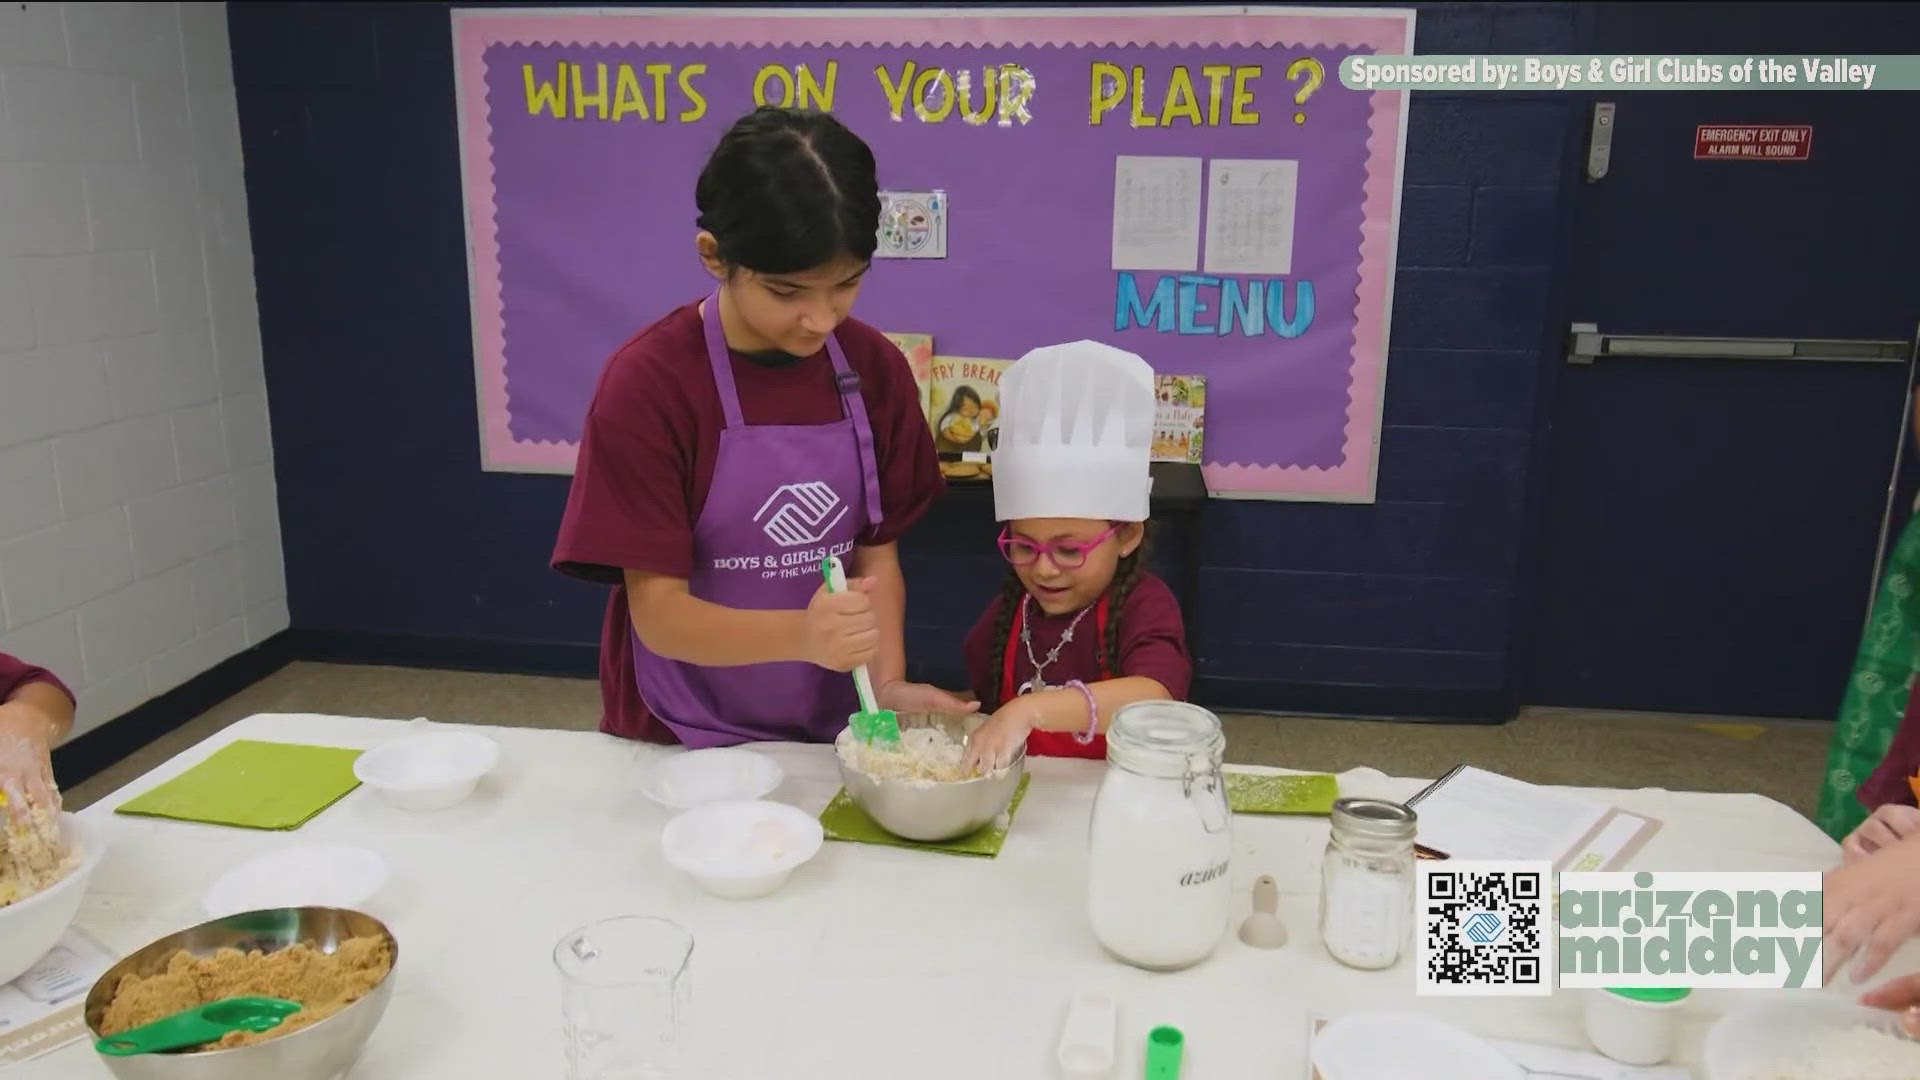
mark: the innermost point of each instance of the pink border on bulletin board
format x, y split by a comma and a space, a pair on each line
1388, 31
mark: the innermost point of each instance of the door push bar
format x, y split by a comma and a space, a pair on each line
1586, 343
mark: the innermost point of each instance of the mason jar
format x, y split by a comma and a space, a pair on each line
1161, 842
1366, 882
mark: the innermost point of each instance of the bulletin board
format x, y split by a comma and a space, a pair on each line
1193, 185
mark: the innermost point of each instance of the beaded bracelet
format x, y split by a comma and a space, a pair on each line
1093, 714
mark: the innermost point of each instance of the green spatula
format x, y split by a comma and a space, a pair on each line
870, 724
199, 1026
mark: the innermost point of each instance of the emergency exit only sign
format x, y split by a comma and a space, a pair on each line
1753, 142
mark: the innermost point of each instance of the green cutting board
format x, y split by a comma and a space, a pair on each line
254, 785
844, 820
1259, 793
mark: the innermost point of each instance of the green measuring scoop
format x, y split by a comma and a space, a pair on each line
871, 724
201, 1025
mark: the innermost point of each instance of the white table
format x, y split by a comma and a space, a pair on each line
873, 962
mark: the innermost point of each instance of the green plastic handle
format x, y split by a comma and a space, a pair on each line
1165, 1046
201, 1025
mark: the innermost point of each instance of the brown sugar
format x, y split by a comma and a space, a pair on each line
323, 984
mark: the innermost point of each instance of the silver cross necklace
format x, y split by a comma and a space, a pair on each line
1026, 639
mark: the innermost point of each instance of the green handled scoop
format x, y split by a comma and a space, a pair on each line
199, 1026
870, 724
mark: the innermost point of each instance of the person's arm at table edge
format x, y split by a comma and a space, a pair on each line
673, 623
41, 709
1066, 709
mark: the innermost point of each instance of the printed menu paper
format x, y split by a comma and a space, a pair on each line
1250, 216
1156, 213
1471, 813
41, 1011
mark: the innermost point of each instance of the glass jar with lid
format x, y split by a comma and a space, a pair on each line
1366, 882
1161, 842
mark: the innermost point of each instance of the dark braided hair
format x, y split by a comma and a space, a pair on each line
1126, 575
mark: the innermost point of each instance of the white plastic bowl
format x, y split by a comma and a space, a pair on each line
1378, 1045
299, 875
741, 850
429, 770
31, 927
1752, 1036
719, 774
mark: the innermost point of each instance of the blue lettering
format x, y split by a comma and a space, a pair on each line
1302, 308
1251, 312
1128, 309
1177, 304
1191, 306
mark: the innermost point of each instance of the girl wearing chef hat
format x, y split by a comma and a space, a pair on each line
1081, 626
736, 443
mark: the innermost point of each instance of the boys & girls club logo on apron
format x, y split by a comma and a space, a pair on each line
797, 514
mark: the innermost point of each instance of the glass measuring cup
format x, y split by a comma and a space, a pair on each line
625, 992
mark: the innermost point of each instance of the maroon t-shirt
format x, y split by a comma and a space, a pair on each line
647, 456
1888, 781
16, 673
1153, 645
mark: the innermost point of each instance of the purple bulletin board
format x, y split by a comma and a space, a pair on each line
581, 133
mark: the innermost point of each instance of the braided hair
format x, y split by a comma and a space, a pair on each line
1126, 575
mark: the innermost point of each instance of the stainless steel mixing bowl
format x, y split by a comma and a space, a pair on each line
325, 1051
930, 812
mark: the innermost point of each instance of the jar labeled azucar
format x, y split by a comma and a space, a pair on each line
1160, 886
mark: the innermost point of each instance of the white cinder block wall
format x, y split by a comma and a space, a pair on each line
139, 537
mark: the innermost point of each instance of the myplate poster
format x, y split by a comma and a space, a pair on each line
1195, 185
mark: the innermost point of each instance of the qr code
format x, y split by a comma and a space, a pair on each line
1486, 929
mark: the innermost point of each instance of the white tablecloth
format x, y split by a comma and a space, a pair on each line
873, 962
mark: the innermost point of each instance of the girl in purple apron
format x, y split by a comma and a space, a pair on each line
737, 442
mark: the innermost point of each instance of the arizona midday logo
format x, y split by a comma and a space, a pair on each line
799, 514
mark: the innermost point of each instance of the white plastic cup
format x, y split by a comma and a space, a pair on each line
1635, 1027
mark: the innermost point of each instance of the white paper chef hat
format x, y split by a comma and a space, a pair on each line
1076, 433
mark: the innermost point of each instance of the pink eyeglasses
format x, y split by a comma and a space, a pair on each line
1066, 554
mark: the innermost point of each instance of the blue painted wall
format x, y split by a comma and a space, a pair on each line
398, 545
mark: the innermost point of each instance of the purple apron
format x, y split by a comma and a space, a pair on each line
784, 497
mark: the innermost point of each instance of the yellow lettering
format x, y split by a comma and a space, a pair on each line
544, 95
1178, 88
582, 100
626, 95
1243, 96
1216, 78
811, 90
896, 92
1109, 86
990, 84
930, 78
659, 73
768, 74
1016, 89
697, 107
1139, 92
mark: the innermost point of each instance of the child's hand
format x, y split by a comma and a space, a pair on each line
993, 745
26, 761
1870, 908
1902, 995
911, 697
1889, 824
842, 631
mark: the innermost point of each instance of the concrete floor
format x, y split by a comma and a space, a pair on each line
1779, 759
